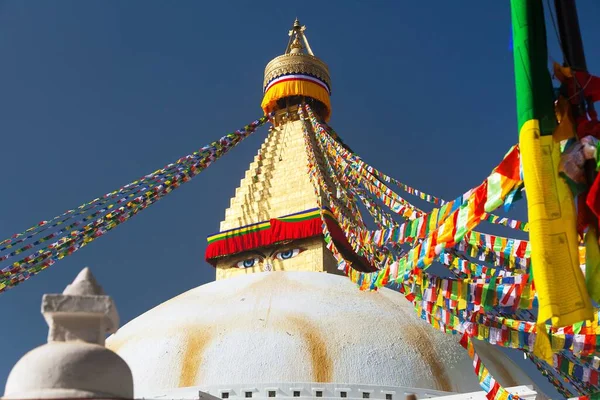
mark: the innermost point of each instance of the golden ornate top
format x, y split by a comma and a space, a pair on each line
296, 46
297, 59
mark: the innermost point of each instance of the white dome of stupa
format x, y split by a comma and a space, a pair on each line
295, 327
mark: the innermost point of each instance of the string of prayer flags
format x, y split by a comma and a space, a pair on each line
578, 376
362, 256
492, 388
380, 176
506, 258
463, 219
548, 372
375, 186
454, 220
116, 208
416, 225
508, 222
492, 290
342, 263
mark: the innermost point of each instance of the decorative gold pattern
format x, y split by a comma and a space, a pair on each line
295, 61
296, 44
296, 64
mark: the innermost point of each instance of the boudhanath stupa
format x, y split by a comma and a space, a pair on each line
281, 320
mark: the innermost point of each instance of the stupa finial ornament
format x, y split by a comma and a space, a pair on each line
298, 39
296, 46
296, 74
84, 285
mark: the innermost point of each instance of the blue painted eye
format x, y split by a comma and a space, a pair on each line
287, 254
248, 263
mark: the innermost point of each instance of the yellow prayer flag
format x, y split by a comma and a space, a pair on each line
559, 282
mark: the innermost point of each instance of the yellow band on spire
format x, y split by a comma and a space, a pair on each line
295, 87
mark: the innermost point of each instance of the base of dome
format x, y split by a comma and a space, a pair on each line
48, 394
327, 391
69, 370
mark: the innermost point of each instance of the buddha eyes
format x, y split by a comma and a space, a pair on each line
287, 254
248, 263
280, 255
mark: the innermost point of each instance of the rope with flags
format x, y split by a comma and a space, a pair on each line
492, 290
487, 298
76, 228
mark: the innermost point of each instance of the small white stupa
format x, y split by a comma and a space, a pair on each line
74, 363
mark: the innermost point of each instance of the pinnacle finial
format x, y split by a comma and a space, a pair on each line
298, 40
84, 285
297, 29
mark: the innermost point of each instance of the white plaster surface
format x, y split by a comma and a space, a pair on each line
69, 370
81, 313
85, 318
295, 327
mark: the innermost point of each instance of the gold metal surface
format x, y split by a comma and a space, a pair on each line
295, 61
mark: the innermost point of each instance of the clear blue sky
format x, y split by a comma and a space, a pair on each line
95, 94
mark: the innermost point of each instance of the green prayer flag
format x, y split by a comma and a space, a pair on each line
533, 82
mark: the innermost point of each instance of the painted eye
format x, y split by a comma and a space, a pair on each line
248, 263
287, 254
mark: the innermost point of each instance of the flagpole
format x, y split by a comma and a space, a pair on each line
570, 34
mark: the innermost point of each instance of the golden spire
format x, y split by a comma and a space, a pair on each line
277, 184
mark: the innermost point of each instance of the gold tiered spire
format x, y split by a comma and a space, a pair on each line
277, 184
